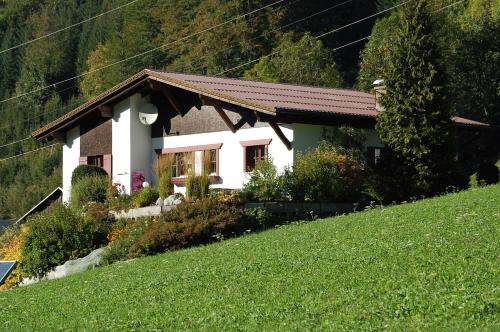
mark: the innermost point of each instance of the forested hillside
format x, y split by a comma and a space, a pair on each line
45, 77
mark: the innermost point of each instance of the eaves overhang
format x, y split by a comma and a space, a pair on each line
134, 84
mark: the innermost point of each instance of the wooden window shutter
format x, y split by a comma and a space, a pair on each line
83, 160
108, 164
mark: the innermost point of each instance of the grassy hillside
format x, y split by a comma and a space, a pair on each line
430, 265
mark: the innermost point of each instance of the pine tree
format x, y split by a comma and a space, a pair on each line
416, 123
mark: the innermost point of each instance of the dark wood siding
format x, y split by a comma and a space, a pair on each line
204, 120
96, 137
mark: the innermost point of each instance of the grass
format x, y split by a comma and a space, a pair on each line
429, 265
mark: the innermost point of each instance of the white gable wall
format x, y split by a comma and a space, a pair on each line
131, 142
140, 140
121, 144
71, 159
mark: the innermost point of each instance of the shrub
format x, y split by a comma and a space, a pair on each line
84, 171
326, 174
191, 224
125, 233
89, 189
58, 236
145, 197
264, 184
11, 242
197, 186
487, 173
163, 169
165, 187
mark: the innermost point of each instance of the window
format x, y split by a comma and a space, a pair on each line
374, 155
184, 163
95, 161
254, 151
210, 160
254, 154
193, 159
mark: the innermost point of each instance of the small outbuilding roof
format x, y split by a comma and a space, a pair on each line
269, 99
54, 196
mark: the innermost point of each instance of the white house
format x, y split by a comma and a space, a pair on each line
234, 121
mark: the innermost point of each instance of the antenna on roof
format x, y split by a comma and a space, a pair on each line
148, 114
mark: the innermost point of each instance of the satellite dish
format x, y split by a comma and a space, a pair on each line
148, 114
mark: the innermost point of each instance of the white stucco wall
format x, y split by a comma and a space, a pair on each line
121, 144
71, 159
140, 140
231, 154
131, 142
306, 137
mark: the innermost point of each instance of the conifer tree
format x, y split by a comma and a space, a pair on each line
416, 123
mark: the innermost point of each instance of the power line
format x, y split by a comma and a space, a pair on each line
12, 143
68, 27
204, 56
450, 5
287, 25
319, 36
67, 106
144, 53
227, 48
28, 152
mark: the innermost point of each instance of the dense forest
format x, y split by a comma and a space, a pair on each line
322, 42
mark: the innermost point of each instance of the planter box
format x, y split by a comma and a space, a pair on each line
149, 211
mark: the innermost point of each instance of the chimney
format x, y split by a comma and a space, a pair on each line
379, 87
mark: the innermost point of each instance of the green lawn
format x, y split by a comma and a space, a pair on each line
430, 265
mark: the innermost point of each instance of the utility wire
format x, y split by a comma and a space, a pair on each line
333, 31
450, 5
225, 49
28, 152
204, 56
268, 55
286, 26
68, 27
12, 143
143, 53
44, 114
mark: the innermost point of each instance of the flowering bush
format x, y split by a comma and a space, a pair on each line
137, 180
11, 243
115, 190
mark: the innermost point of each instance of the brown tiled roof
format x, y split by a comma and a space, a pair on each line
269, 98
288, 96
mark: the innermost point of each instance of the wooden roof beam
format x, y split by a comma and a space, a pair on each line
220, 110
106, 111
168, 95
59, 137
281, 135
225, 118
